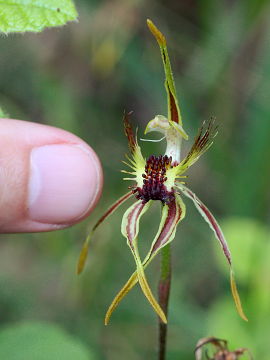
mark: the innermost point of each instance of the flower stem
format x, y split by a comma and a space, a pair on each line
163, 294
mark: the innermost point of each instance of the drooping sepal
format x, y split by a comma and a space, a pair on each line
130, 230
84, 251
213, 224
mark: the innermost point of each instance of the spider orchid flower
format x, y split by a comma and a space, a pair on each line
160, 178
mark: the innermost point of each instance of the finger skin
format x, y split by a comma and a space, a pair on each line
17, 140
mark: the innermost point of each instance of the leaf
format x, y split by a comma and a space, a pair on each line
35, 15
40, 341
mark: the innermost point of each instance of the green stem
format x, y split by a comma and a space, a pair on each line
163, 294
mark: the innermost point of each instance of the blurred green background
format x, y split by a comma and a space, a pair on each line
81, 77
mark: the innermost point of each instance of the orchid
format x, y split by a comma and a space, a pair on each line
161, 178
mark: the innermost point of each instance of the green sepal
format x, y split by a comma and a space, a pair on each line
173, 107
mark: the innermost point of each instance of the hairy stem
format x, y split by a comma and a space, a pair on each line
163, 294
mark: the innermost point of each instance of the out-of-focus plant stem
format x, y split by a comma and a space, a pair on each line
163, 294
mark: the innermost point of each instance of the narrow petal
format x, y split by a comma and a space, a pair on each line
136, 162
173, 107
171, 215
129, 132
84, 251
209, 218
202, 143
131, 220
135, 150
130, 229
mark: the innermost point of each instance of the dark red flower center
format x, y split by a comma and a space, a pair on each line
154, 177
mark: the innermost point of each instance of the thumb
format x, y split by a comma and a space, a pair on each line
49, 178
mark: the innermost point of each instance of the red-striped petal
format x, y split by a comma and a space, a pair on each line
209, 218
130, 229
131, 219
171, 215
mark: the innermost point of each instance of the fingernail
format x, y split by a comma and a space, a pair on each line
64, 183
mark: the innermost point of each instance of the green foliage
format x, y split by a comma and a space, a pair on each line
34, 15
3, 114
40, 341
